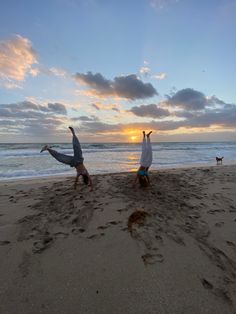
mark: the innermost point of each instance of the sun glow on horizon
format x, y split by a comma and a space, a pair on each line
133, 138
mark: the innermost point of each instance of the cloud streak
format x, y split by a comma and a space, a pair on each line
188, 109
27, 118
160, 76
161, 4
98, 106
150, 111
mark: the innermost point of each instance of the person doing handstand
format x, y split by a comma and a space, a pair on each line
76, 161
145, 161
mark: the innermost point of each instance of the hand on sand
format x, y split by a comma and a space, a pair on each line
45, 147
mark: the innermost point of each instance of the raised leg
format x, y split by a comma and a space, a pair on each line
65, 159
146, 157
148, 153
78, 154
143, 154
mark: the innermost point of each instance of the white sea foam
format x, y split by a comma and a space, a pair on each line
25, 161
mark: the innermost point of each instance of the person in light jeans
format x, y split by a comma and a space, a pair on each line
145, 161
76, 161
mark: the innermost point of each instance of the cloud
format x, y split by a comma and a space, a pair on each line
85, 118
57, 108
144, 70
129, 87
27, 118
199, 110
161, 4
151, 111
188, 98
189, 109
27, 109
100, 127
16, 60
224, 117
53, 71
95, 81
99, 106
159, 76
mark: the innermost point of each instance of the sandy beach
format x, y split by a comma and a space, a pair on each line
168, 248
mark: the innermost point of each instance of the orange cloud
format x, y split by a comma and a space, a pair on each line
100, 106
16, 59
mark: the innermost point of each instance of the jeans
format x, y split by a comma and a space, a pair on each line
73, 161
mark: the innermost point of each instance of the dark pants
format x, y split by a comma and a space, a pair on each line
73, 161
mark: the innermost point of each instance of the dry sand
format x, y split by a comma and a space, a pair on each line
66, 251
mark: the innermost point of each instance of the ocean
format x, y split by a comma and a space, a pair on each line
25, 160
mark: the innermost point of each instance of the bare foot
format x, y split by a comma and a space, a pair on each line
149, 133
72, 130
45, 147
143, 133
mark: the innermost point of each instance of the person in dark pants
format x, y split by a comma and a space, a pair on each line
76, 161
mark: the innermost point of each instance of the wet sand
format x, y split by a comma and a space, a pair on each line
168, 248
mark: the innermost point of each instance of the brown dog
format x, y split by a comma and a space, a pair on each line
219, 160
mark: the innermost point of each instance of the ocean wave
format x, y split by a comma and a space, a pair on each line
25, 160
33, 173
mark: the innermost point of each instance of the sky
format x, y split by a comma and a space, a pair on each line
114, 68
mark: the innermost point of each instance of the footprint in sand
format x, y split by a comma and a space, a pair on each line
102, 227
220, 292
213, 211
113, 222
193, 216
77, 230
159, 238
152, 258
175, 238
231, 244
219, 224
95, 236
206, 284
40, 246
61, 235
4, 242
